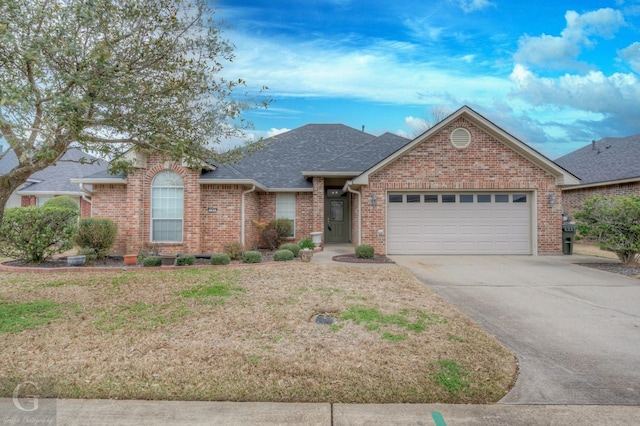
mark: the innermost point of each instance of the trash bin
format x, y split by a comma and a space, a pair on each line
568, 233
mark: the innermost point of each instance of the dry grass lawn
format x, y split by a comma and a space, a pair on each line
245, 334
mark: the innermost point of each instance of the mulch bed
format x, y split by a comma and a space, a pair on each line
351, 258
630, 270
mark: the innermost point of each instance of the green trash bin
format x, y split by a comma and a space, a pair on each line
568, 233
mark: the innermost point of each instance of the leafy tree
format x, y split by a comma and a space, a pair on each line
33, 234
63, 201
613, 223
112, 75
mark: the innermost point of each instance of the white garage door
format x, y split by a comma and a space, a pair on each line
471, 223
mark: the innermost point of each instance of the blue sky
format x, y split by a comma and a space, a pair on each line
555, 74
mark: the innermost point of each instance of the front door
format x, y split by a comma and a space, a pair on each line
337, 219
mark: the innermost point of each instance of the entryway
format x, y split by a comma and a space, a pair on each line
337, 217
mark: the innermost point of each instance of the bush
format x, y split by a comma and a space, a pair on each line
98, 234
275, 233
152, 261
220, 259
233, 249
306, 243
89, 253
613, 223
185, 260
283, 255
294, 248
32, 234
252, 257
64, 202
364, 251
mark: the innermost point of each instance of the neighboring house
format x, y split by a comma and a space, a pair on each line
55, 180
610, 166
463, 187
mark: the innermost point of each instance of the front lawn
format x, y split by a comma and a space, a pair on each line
245, 334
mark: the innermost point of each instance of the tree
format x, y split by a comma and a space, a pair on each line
613, 223
436, 115
112, 75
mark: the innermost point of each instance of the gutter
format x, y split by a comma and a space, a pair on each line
347, 188
253, 188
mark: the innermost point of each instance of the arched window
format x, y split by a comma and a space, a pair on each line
167, 207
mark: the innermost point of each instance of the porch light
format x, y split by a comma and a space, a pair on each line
552, 199
374, 200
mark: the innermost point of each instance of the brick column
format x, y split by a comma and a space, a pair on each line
318, 205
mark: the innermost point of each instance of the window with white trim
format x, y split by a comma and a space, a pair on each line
167, 207
286, 209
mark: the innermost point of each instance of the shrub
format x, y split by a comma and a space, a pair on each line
185, 260
275, 233
294, 248
89, 253
364, 251
252, 256
306, 243
220, 259
613, 223
32, 234
283, 255
233, 249
64, 202
98, 234
152, 261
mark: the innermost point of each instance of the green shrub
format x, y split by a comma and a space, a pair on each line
65, 202
294, 248
185, 260
152, 261
252, 257
364, 251
283, 255
98, 234
234, 249
306, 243
32, 234
220, 259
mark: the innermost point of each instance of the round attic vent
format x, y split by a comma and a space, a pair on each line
460, 138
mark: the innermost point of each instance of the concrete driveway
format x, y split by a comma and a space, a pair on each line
575, 330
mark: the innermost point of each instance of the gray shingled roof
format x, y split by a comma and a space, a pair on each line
281, 162
55, 179
609, 159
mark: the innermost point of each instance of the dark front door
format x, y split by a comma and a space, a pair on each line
337, 220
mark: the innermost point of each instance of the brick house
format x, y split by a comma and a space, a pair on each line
464, 186
606, 167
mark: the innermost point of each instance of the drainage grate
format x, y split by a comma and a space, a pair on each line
324, 319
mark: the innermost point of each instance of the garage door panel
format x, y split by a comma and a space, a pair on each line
459, 228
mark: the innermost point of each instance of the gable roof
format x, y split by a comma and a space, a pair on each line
56, 179
8, 161
563, 177
605, 161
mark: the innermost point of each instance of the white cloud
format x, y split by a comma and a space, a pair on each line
631, 54
615, 95
562, 51
473, 5
274, 132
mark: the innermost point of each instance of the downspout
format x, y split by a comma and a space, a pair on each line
86, 192
347, 186
253, 188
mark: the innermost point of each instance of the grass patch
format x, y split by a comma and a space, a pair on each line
451, 376
16, 317
416, 321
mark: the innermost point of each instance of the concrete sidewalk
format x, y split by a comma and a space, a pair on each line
137, 413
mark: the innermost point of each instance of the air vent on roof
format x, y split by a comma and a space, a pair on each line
460, 138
